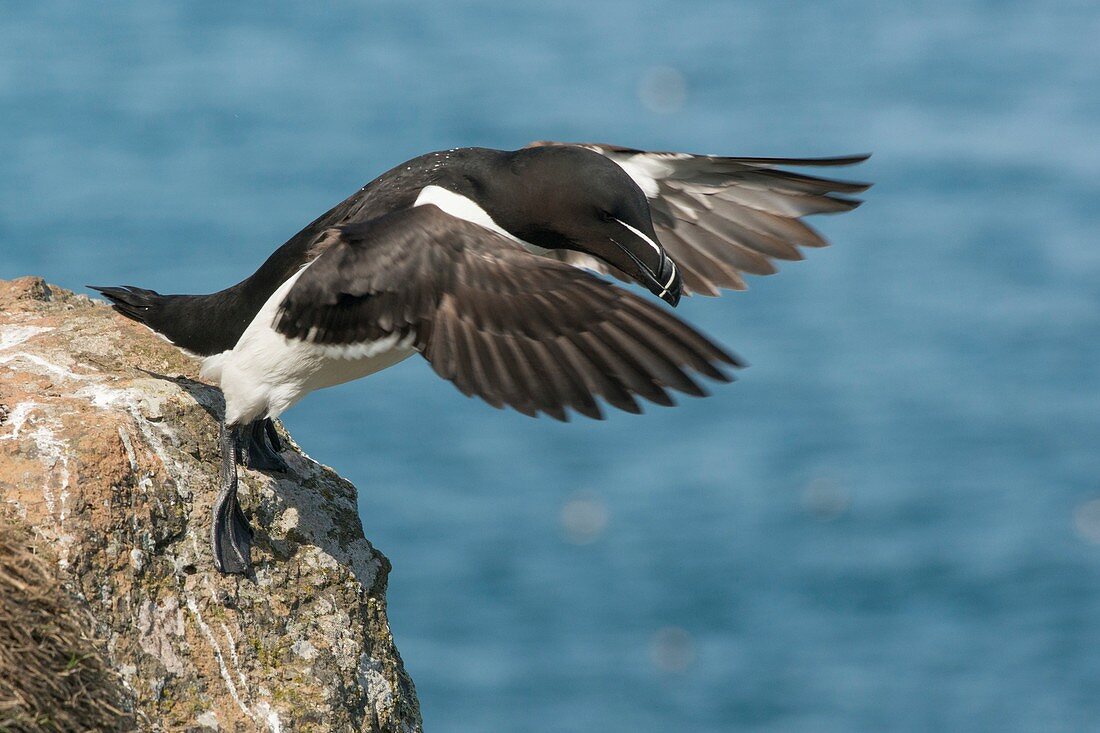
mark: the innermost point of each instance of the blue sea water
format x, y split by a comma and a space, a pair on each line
890, 522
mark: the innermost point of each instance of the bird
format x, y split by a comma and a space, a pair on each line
487, 264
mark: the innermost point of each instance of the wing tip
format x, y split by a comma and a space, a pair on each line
733, 360
847, 203
826, 161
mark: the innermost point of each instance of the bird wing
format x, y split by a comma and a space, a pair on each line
508, 326
719, 217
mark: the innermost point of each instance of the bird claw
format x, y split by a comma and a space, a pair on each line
259, 447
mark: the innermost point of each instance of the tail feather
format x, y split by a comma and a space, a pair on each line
138, 304
185, 320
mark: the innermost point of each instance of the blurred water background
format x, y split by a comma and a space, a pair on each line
891, 522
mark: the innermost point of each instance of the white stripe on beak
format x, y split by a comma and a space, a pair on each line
671, 277
645, 237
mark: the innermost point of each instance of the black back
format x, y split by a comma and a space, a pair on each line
211, 324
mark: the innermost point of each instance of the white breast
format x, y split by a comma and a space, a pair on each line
266, 372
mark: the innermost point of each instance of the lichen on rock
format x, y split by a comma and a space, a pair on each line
109, 456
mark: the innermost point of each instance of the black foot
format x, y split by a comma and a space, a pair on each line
260, 446
273, 438
231, 537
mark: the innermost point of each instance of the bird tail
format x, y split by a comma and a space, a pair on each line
167, 315
138, 304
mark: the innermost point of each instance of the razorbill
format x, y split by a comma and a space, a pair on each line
473, 259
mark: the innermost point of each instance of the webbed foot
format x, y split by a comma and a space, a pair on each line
231, 536
260, 446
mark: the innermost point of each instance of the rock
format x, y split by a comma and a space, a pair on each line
108, 455
53, 676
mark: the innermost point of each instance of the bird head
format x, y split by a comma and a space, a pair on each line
567, 197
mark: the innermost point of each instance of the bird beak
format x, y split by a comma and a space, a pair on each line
652, 265
670, 283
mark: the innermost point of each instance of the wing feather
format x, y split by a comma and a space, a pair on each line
513, 328
719, 217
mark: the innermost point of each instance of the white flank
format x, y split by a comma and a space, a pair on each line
266, 372
211, 368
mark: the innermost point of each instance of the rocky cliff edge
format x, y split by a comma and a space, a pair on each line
109, 463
